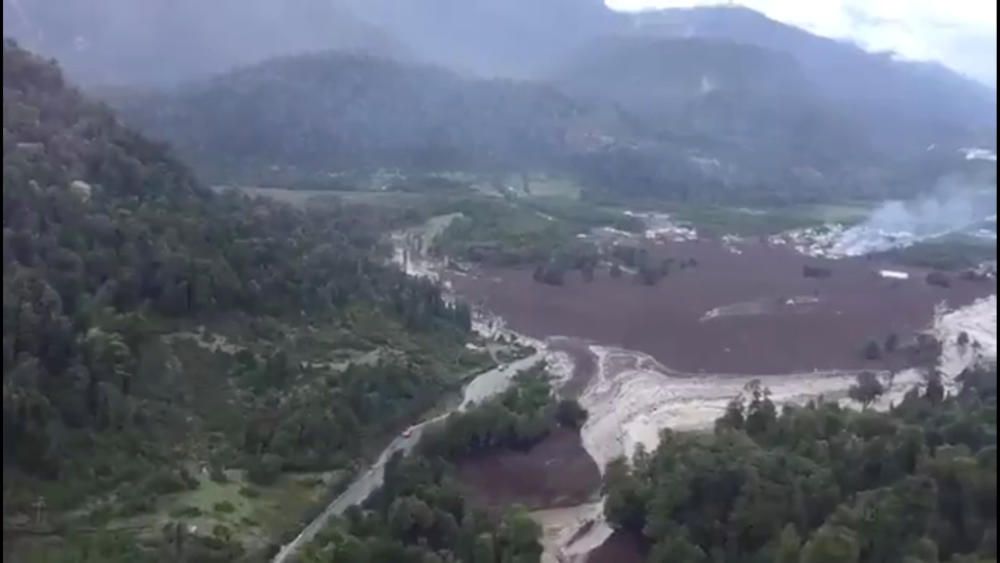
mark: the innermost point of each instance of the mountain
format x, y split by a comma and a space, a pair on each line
666, 118
700, 100
152, 326
116, 42
160, 41
756, 102
711, 93
311, 115
491, 37
923, 103
165, 41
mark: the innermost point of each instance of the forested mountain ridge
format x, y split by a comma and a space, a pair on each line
900, 105
115, 262
319, 113
835, 116
746, 113
687, 119
113, 42
885, 88
901, 108
118, 43
490, 38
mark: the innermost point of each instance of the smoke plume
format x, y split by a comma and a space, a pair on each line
949, 210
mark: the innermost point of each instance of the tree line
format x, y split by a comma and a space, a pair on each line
109, 242
822, 483
519, 418
421, 513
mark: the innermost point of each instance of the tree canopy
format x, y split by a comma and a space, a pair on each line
112, 248
821, 483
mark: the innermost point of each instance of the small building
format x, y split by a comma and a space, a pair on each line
893, 275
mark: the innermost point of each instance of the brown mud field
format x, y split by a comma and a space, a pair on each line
556, 472
620, 547
772, 318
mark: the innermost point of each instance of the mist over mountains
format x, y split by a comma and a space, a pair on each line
122, 42
163, 41
310, 115
717, 99
263, 240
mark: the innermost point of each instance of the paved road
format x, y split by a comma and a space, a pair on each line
484, 386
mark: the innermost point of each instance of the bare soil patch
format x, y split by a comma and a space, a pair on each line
828, 330
556, 472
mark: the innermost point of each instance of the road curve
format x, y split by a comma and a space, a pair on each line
484, 386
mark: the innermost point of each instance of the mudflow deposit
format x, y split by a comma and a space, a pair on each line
746, 308
644, 358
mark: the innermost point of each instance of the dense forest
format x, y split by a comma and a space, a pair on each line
190, 373
116, 258
422, 514
761, 137
306, 116
822, 483
518, 419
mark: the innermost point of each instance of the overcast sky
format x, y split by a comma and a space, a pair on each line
959, 33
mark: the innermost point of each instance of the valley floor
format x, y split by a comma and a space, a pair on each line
744, 309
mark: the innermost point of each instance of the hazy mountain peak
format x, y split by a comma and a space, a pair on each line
163, 41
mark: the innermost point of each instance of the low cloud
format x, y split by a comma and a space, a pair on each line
959, 33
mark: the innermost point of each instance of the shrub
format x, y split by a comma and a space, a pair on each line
939, 279
570, 414
249, 492
135, 504
891, 343
311, 482
165, 482
872, 351
190, 481
185, 512
223, 533
216, 474
264, 470
818, 272
866, 389
224, 507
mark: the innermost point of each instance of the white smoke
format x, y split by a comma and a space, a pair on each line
896, 224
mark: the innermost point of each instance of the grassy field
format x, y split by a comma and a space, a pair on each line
742, 221
518, 232
553, 186
554, 197
304, 197
251, 515
951, 253
158, 470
